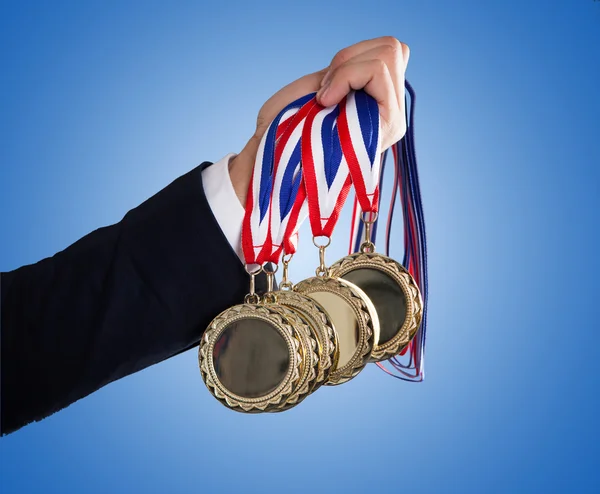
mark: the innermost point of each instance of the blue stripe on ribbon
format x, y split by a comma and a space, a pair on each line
368, 118
332, 148
266, 179
290, 184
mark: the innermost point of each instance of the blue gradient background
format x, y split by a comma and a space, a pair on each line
102, 104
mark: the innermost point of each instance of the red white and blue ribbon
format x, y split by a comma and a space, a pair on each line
409, 365
360, 138
325, 170
301, 168
268, 211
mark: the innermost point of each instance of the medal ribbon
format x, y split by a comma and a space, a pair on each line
276, 180
308, 159
337, 143
359, 132
405, 184
301, 169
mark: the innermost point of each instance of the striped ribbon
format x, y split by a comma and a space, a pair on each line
272, 213
307, 162
340, 147
360, 138
303, 167
409, 365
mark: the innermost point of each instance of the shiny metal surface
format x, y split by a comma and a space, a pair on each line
392, 291
345, 322
309, 348
251, 358
322, 327
354, 318
387, 296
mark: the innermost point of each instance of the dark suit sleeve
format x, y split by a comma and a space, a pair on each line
118, 300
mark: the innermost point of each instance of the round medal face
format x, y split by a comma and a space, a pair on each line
251, 357
394, 294
354, 318
321, 326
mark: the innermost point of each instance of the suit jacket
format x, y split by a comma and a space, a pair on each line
120, 299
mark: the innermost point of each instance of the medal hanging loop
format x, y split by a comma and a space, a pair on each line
270, 297
368, 246
252, 297
286, 284
322, 270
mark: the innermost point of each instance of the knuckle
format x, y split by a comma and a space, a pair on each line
340, 57
380, 66
401, 129
395, 129
391, 41
261, 127
396, 48
388, 51
322, 72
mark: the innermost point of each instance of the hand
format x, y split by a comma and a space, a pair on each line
376, 65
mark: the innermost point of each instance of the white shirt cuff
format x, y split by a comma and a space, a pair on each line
224, 202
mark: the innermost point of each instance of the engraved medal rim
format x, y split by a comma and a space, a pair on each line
310, 360
278, 320
329, 350
367, 324
414, 302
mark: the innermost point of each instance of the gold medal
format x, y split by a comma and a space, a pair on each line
353, 315
309, 368
253, 356
392, 290
318, 321
310, 344
321, 328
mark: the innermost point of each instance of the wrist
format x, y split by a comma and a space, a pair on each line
240, 170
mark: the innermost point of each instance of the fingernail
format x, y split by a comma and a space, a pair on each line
325, 79
323, 91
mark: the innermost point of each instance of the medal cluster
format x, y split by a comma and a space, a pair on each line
272, 351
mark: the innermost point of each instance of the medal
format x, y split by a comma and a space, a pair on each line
310, 346
252, 355
393, 292
260, 356
287, 209
386, 282
319, 323
326, 183
409, 363
271, 352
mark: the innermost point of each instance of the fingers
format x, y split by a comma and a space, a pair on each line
392, 58
345, 73
374, 77
378, 67
352, 51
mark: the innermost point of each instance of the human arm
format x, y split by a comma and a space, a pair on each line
120, 299
133, 294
